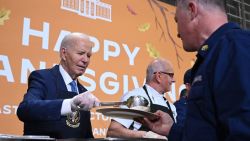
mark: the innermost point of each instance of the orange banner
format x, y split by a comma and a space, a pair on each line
127, 34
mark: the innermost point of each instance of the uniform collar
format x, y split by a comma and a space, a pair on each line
213, 39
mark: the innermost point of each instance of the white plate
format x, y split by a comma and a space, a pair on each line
126, 113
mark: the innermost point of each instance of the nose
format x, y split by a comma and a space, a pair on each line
85, 58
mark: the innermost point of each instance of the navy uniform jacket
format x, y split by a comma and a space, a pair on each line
219, 99
40, 109
181, 108
177, 129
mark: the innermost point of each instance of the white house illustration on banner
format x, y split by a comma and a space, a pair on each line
94, 9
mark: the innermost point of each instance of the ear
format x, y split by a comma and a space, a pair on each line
157, 77
62, 53
193, 9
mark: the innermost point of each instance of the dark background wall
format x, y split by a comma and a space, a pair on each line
237, 10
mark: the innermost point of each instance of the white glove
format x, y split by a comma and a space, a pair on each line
151, 134
84, 101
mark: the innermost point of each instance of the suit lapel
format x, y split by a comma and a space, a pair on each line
61, 89
80, 87
60, 84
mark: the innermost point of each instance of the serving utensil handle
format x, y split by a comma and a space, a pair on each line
115, 104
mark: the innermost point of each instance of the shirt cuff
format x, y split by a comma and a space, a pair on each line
66, 107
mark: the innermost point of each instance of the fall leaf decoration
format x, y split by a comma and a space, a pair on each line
157, 6
4, 15
152, 51
131, 10
144, 27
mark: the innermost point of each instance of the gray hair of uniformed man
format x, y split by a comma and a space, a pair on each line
157, 65
205, 3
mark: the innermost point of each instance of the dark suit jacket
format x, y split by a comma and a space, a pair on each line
40, 109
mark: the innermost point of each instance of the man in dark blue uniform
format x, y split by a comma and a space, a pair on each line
56, 104
219, 100
181, 104
181, 109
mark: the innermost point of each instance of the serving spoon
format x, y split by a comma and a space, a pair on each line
130, 102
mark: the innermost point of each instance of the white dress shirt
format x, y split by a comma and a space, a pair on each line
66, 105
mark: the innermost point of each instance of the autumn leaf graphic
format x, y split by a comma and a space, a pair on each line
4, 15
131, 10
152, 51
144, 27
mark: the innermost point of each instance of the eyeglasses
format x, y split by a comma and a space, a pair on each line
167, 73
